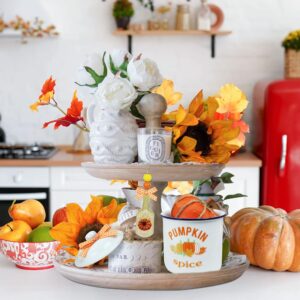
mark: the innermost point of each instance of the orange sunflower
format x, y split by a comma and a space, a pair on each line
79, 222
199, 136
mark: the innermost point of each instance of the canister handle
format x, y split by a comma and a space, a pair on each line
282, 164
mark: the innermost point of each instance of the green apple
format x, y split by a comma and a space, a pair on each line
40, 234
46, 224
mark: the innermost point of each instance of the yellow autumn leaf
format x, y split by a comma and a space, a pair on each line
166, 89
231, 99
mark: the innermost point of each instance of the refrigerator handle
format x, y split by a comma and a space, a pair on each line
282, 164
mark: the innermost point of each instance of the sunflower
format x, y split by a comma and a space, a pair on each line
199, 136
79, 222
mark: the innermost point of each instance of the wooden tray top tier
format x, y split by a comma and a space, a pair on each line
160, 173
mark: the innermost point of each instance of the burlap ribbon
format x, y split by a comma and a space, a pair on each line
141, 193
105, 232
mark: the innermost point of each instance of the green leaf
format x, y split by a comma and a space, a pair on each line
112, 66
124, 65
176, 154
226, 177
94, 85
122, 69
105, 67
93, 73
134, 110
234, 196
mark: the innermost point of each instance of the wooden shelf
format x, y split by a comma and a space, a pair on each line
169, 32
212, 34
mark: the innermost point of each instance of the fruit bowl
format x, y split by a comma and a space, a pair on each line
30, 256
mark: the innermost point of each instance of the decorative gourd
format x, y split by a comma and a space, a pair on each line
269, 237
191, 207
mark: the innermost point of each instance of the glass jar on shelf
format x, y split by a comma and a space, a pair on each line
183, 17
204, 17
164, 12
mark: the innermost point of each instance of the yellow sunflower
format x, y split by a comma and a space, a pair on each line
79, 222
207, 139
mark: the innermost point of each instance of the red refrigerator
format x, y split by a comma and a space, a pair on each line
277, 141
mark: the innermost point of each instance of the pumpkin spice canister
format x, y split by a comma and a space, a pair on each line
193, 245
193, 236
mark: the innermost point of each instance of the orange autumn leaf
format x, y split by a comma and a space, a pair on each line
72, 117
76, 106
48, 86
202, 250
47, 93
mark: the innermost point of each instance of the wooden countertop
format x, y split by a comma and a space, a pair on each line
65, 158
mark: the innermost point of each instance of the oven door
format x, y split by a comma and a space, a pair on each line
8, 195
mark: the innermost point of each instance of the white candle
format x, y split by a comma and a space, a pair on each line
154, 145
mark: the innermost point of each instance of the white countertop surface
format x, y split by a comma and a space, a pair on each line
255, 284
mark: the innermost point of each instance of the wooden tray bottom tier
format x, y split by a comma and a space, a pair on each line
235, 266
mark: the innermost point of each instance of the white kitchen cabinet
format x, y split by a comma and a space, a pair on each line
245, 181
24, 177
73, 184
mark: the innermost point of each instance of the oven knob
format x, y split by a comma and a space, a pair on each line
18, 178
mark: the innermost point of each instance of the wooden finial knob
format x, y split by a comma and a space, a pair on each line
152, 107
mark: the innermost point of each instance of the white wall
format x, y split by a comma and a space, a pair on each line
251, 53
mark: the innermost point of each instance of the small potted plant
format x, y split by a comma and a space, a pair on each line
291, 45
123, 11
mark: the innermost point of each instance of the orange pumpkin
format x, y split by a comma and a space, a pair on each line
191, 207
189, 248
269, 237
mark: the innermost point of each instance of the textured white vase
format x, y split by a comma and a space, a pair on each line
113, 135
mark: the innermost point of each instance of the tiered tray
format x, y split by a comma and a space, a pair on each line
161, 173
234, 267
97, 276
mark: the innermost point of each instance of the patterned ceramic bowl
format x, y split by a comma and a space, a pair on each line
30, 256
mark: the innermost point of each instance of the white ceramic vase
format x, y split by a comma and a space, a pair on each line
113, 135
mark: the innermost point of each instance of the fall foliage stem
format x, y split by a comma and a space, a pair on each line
84, 128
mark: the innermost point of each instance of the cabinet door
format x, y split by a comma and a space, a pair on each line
246, 182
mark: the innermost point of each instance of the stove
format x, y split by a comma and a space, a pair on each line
35, 151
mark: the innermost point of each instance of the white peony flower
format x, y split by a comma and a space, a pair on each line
118, 56
116, 93
94, 61
144, 74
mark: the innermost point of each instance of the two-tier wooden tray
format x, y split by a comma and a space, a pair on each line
97, 276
